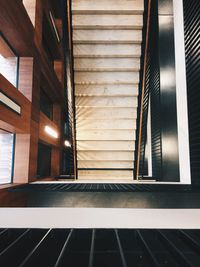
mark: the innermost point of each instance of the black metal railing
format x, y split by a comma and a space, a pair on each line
98, 247
149, 96
68, 163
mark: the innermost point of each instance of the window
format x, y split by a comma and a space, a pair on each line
46, 105
6, 156
8, 62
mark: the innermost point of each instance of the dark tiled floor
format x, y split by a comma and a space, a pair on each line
99, 248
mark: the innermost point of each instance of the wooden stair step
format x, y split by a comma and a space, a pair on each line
100, 134
91, 134
107, 21
117, 124
107, 7
107, 36
102, 113
105, 145
104, 77
107, 90
105, 164
105, 155
102, 174
107, 50
107, 64
93, 101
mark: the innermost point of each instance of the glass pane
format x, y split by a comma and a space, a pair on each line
8, 62
6, 156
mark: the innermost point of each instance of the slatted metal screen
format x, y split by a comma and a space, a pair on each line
192, 49
68, 152
99, 248
103, 187
151, 95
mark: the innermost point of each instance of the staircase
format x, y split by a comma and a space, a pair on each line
107, 38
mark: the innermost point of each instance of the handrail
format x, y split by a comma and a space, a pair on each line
143, 89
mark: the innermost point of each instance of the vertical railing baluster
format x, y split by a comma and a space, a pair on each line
65, 246
120, 249
91, 258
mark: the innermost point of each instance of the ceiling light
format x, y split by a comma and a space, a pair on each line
51, 131
67, 143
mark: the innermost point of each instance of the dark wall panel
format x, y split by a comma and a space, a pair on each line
160, 89
44, 160
155, 98
192, 48
169, 133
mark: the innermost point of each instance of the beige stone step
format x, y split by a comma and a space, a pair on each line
106, 101
105, 178
105, 155
105, 145
107, 21
105, 174
107, 36
106, 64
105, 112
107, 50
106, 90
107, 7
105, 164
106, 77
117, 134
117, 124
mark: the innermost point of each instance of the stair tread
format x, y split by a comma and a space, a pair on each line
107, 27
107, 38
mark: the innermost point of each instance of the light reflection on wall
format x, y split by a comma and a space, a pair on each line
6, 157
8, 62
169, 145
167, 78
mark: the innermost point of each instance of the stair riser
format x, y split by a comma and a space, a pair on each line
102, 50
106, 164
92, 101
105, 145
107, 38
106, 77
102, 113
106, 125
114, 21
100, 36
111, 6
105, 135
107, 64
105, 155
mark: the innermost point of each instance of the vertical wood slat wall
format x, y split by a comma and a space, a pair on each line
35, 72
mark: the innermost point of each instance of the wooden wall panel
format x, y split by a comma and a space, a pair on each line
35, 107
30, 6
55, 161
17, 27
22, 150
43, 135
10, 199
26, 76
19, 123
33, 150
21, 22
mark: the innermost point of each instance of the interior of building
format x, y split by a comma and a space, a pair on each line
99, 133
